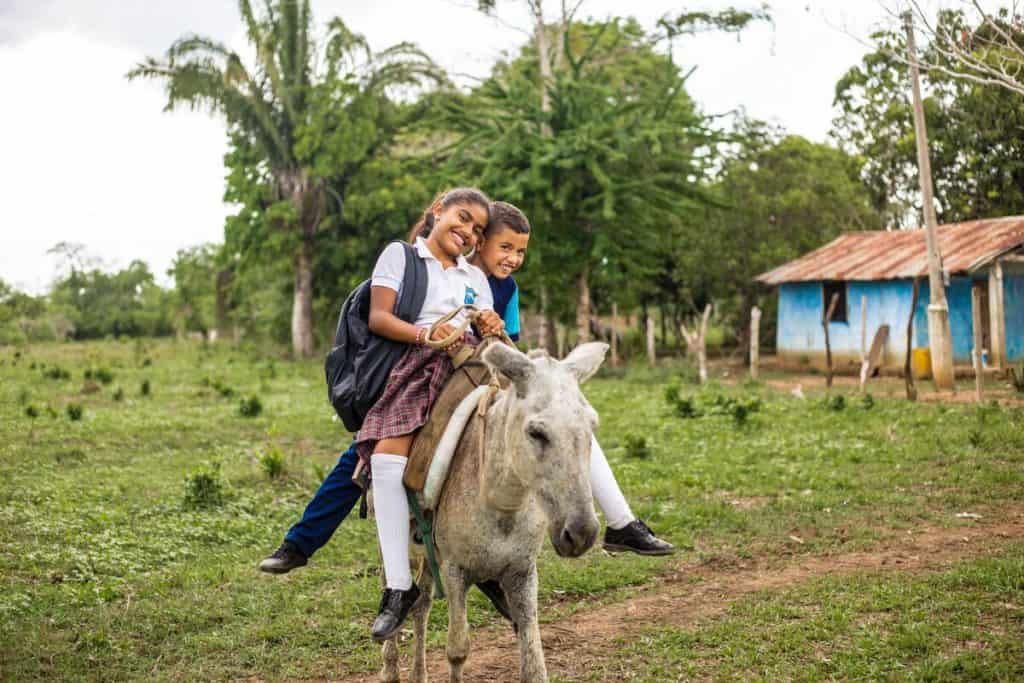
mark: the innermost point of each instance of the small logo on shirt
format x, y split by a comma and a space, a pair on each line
470, 295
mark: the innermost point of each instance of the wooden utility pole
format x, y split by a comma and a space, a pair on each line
997, 318
755, 340
940, 339
979, 373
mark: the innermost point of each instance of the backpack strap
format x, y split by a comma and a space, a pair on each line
414, 286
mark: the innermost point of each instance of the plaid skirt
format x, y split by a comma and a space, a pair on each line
413, 386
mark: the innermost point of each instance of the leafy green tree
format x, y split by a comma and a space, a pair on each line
195, 272
975, 132
297, 124
601, 169
786, 196
124, 303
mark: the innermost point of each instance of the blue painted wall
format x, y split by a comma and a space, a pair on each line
801, 309
1013, 302
958, 296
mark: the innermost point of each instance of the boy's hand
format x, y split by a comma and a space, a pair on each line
489, 322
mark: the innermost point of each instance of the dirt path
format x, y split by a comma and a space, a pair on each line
694, 591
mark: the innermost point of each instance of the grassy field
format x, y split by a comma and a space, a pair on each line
136, 498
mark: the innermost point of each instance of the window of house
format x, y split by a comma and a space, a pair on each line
827, 290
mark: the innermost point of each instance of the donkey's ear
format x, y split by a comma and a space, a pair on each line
585, 359
511, 363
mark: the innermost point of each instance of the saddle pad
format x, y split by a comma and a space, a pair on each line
461, 384
442, 460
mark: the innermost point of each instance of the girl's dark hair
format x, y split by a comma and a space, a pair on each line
504, 215
458, 195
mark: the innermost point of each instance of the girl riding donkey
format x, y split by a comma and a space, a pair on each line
501, 253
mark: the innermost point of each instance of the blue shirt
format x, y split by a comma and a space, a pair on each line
506, 303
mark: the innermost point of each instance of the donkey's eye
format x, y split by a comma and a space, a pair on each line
538, 435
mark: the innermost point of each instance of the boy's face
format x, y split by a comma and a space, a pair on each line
503, 252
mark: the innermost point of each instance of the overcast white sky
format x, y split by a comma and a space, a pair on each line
87, 157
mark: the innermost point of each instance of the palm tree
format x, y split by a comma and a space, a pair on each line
268, 105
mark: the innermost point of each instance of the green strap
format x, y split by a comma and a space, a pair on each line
426, 529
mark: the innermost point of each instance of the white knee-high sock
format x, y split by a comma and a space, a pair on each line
606, 490
391, 508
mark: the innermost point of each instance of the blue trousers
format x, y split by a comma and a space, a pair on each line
332, 503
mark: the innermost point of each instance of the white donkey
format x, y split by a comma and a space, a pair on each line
526, 473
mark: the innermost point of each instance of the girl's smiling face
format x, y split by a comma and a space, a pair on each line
503, 252
456, 228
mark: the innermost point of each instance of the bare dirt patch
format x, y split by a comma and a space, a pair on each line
695, 590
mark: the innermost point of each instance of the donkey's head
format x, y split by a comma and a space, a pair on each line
548, 430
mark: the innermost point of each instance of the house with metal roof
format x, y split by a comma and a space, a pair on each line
873, 272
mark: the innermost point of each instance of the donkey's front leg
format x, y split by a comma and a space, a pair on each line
458, 624
420, 613
521, 593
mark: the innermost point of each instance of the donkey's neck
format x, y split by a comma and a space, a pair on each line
501, 482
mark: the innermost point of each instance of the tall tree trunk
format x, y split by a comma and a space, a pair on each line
302, 305
222, 320
544, 329
583, 306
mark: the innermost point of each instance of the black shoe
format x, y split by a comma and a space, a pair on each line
394, 608
492, 589
636, 537
284, 559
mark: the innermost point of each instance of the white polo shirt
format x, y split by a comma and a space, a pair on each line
447, 288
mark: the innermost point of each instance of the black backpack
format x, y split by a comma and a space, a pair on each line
358, 366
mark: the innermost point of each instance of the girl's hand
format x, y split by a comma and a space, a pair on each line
489, 322
444, 331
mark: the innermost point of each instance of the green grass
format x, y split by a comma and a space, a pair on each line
965, 624
110, 570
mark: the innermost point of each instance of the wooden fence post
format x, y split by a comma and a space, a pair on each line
755, 340
908, 375
696, 343
828, 348
615, 336
864, 363
979, 374
651, 360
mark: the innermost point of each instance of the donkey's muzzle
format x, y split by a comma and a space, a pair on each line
576, 537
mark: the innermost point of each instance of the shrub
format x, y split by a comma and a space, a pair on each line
686, 409
250, 407
74, 411
118, 394
145, 387
31, 411
836, 402
272, 462
672, 392
103, 375
867, 402
204, 487
635, 445
1017, 378
57, 373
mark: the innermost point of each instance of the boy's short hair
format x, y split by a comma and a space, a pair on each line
505, 215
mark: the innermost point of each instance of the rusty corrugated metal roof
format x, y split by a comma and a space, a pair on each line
879, 255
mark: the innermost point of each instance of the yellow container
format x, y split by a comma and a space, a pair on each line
921, 363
